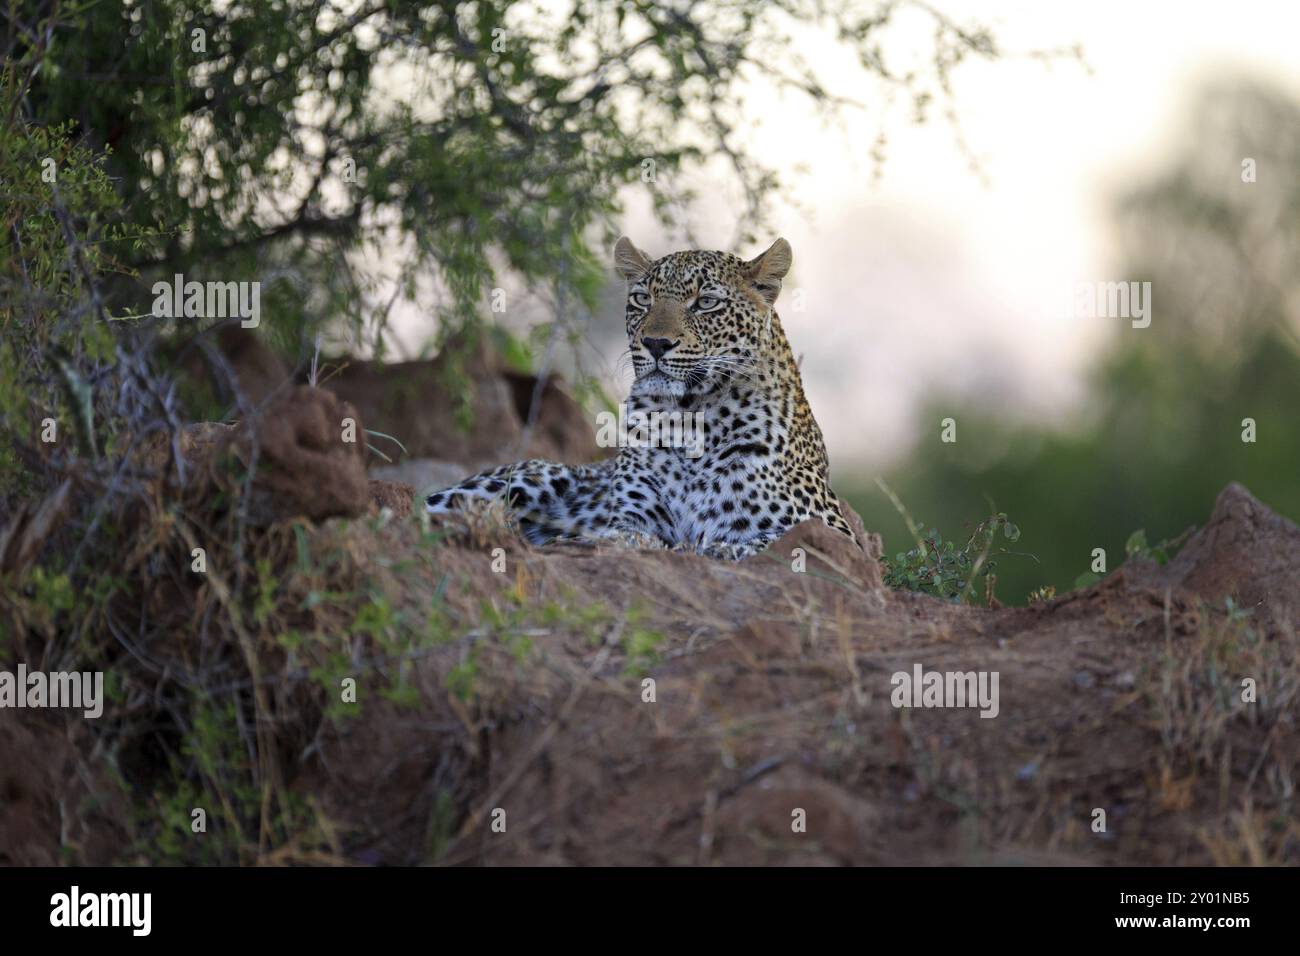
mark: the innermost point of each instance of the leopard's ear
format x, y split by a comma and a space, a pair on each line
767, 270
630, 261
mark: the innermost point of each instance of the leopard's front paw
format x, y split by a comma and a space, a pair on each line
636, 540
725, 551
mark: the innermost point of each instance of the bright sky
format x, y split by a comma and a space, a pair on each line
928, 278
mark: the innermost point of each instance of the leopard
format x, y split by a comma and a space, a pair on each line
749, 463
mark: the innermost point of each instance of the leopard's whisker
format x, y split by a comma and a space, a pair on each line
736, 367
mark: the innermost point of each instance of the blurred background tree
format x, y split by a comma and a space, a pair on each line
1162, 431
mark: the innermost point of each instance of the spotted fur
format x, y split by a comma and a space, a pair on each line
704, 337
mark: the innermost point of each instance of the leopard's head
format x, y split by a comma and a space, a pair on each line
696, 320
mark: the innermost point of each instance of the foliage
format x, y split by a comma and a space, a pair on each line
58, 354
286, 141
947, 570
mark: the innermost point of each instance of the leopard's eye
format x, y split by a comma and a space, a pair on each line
707, 303
640, 299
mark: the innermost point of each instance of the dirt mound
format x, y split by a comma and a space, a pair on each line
401, 689
306, 453
467, 406
46, 770
456, 413
398, 497
771, 709
1245, 552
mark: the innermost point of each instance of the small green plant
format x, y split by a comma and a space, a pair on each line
640, 643
1136, 547
1235, 612
945, 569
1086, 580
461, 677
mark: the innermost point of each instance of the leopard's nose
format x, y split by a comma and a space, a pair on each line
657, 347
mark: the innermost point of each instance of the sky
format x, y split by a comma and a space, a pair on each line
929, 278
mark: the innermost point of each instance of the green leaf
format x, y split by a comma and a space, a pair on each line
1136, 543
